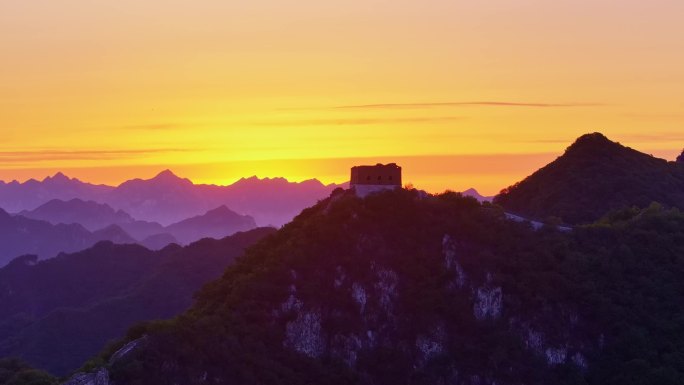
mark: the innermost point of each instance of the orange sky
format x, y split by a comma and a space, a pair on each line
462, 94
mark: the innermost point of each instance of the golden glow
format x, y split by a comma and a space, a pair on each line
216, 90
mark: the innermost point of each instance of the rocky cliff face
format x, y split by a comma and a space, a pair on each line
379, 315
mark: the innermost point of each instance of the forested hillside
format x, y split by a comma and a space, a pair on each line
404, 289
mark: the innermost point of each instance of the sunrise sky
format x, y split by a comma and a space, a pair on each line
460, 93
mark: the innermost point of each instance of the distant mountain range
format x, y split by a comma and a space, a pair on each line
15, 196
167, 198
90, 214
594, 176
57, 313
57, 227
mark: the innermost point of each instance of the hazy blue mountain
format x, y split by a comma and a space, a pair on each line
168, 199
90, 214
165, 198
216, 223
19, 235
93, 216
158, 241
271, 201
119, 227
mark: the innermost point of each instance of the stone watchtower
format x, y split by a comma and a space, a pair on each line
370, 179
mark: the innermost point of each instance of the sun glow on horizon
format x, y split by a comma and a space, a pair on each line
461, 94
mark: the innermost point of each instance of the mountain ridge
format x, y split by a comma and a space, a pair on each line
594, 176
43, 234
167, 198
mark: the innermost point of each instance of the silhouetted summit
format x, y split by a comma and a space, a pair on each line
593, 177
680, 158
168, 176
58, 178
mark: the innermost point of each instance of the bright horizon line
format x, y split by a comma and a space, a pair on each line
198, 183
487, 173
65, 174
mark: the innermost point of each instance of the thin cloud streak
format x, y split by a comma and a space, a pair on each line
465, 104
157, 126
37, 155
363, 121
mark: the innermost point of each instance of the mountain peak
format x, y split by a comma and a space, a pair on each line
680, 158
594, 144
166, 174
593, 177
221, 210
593, 139
471, 192
58, 177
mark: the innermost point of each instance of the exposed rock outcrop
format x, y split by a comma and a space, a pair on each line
488, 303
100, 377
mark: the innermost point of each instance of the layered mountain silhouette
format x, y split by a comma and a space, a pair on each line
405, 288
90, 214
20, 235
15, 196
57, 313
216, 223
55, 227
593, 177
167, 198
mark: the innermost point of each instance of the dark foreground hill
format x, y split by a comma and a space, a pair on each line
399, 289
594, 176
56, 313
